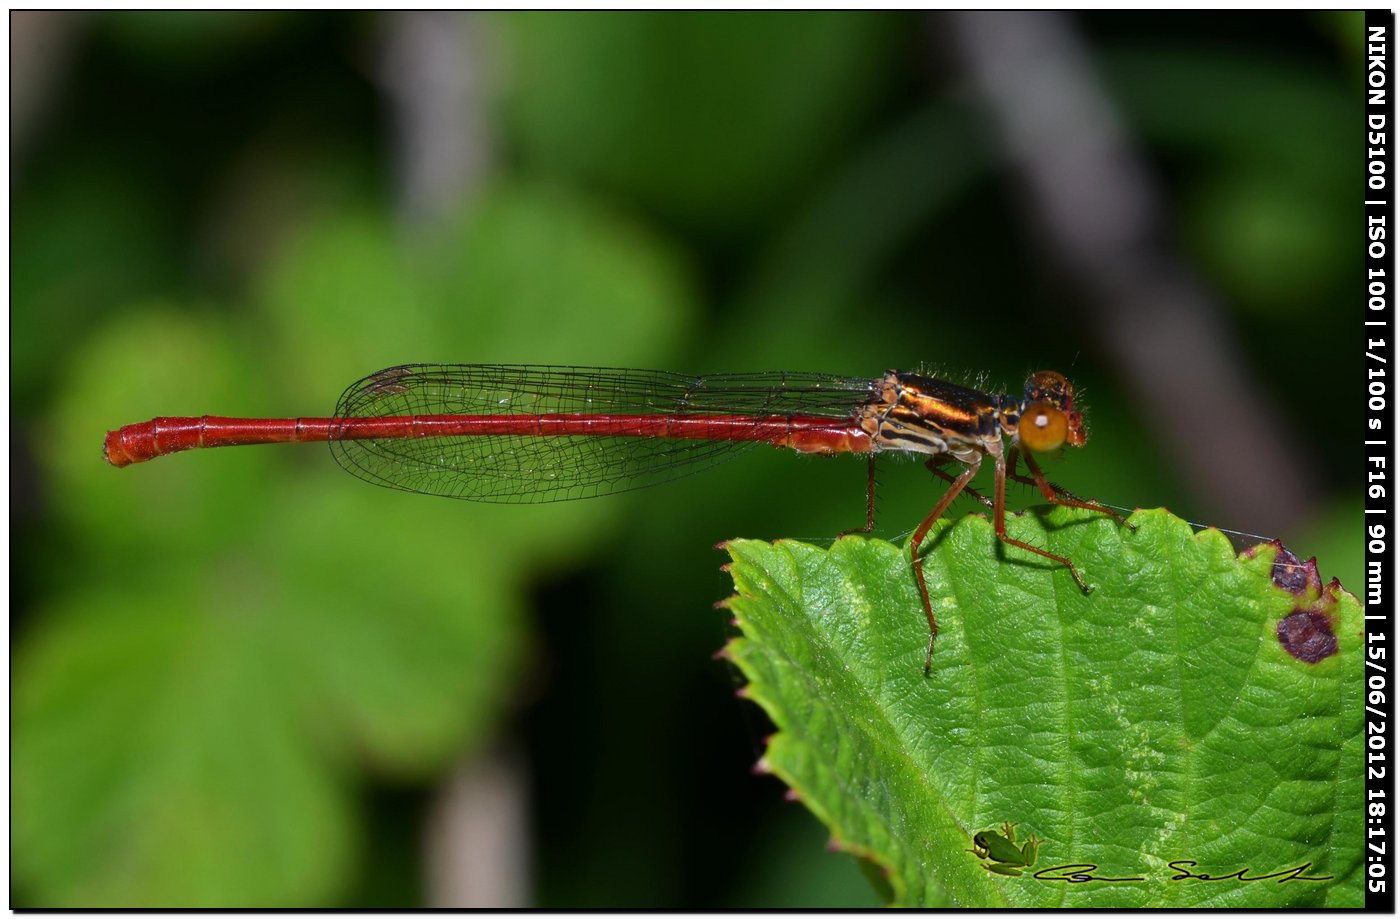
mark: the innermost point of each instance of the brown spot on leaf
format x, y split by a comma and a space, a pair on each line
1290, 572
1309, 632
1307, 635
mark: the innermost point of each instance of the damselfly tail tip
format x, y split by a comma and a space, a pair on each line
112, 450
134, 443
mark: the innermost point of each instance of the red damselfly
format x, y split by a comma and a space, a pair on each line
530, 434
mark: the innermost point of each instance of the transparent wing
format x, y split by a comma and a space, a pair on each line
520, 469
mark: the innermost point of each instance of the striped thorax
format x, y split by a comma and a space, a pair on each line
920, 414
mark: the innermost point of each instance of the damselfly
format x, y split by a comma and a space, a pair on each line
530, 434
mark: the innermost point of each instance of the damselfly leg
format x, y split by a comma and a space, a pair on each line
1054, 493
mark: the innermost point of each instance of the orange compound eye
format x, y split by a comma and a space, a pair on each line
1042, 428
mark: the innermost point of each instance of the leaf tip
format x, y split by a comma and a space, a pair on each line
1309, 633
1289, 572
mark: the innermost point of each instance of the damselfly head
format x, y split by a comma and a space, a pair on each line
1048, 416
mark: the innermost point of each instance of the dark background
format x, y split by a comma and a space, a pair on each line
241, 678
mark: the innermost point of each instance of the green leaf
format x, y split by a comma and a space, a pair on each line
1156, 719
158, 762
189, 739
187, 718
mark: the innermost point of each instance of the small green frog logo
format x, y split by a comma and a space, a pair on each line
1001, 853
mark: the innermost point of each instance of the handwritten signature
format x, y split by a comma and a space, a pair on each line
1084, 873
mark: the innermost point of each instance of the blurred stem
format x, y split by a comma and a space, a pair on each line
1101, 219
433, 73
478, 842
41, 47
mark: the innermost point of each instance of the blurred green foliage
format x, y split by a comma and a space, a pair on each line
218, 655
710, 120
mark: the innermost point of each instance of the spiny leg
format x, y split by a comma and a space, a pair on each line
1054, 493
958, 485
935, 465
999, 525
